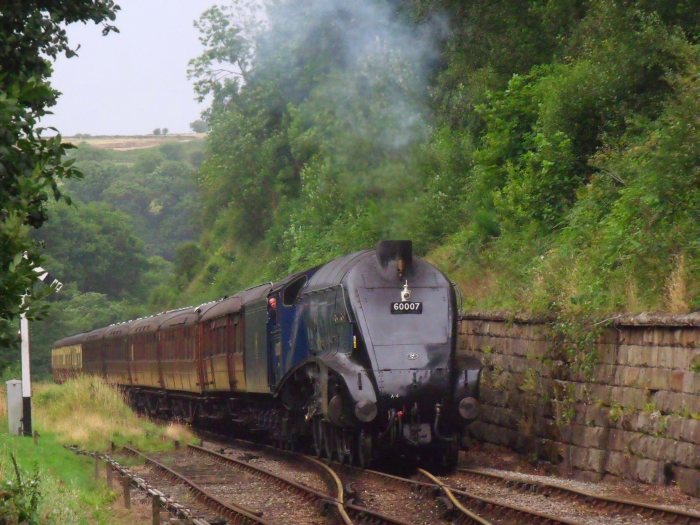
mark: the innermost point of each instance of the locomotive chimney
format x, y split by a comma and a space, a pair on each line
399, 251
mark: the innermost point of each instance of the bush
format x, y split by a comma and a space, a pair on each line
19, 500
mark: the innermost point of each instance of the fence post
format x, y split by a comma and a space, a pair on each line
127, 492
108, 469
155, 509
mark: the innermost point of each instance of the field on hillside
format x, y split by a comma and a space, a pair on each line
131, 142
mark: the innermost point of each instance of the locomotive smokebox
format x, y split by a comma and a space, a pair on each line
399, 251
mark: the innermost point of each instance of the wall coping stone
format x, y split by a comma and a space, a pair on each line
643, 319
502, 315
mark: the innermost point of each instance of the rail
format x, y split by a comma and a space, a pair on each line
590, 498
479, 510
238, 514
349, 513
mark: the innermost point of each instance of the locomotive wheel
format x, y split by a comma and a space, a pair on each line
338, 446
328, 439
292, 443
317, 436
453, 452
364, 449
343, 446
448, 453
348, 446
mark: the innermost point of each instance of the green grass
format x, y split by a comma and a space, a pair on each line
69, 494
91, 414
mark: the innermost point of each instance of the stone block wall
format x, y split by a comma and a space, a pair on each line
635, 415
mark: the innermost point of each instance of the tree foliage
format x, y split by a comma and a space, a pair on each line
94, 246
529, 149
155, 187
32, 34
131, 212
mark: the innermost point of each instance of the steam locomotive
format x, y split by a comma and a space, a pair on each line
354, 358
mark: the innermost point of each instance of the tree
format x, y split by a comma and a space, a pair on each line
188, 258
199, 126
156, 131
32, 34
93, 246
164, 131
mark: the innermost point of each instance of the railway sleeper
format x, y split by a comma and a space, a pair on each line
449, 510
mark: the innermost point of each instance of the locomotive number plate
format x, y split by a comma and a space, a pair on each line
406, 307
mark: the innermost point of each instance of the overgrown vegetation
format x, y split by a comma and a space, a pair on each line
20, 499
32, 34
88, 412
121, 247
50, 484
545, 155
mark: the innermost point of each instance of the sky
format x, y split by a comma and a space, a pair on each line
130, 83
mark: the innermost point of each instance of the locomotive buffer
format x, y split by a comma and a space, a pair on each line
53, 283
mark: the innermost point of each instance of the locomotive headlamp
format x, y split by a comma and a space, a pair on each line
365, 410
469, 408
405, 293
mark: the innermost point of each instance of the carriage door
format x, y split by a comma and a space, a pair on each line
274, 340
216, 340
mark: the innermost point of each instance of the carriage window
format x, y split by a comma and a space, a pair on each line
320, 321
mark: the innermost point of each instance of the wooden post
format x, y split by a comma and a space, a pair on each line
36, 438
155, 509
108, 469
127, 492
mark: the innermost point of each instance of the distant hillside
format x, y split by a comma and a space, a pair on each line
131, 142
126, 241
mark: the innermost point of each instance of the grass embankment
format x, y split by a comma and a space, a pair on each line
85, 412
62, 482
90, 413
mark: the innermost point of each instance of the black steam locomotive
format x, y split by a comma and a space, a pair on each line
355, 358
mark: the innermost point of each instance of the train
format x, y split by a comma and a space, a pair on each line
354, 359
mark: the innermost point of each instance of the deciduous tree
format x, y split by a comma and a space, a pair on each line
32, 35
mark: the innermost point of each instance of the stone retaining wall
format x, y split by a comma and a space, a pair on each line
635, 415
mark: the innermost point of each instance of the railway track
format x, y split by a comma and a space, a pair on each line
606, 504
237, 514
330, 504
396, 500
334, 499
429, 500
460, 506
387, 506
